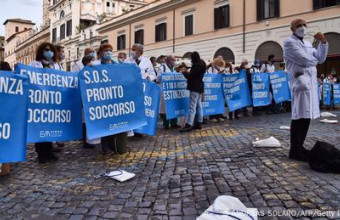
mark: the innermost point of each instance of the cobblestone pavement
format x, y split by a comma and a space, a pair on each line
177, 176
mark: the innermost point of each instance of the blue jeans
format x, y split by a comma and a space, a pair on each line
195, 108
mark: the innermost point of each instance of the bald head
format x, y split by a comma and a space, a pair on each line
88, 50
297, 23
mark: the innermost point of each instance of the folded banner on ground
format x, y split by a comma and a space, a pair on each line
279, 82
213, 103
176, 96
236, 91
13, 117
113, 99
260, 88
152, 94
54, 105
336, 93
327, 89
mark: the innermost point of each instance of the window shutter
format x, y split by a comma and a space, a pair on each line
118, 39
216, 22
123, 39
165, 32
316, 4
227, 16
142, 33
260, 6
156, 33
277, 8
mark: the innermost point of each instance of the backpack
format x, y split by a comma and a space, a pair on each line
324, 158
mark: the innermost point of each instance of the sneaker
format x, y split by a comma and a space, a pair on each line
175, 126
214, 120
221, 119
197, 126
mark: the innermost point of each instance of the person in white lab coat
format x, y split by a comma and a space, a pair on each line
144, 63
301, 59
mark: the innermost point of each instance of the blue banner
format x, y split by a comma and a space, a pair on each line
54, 105
152, 95
213, 103
336, 93
113, 99
260, 85
176, 95
13, 117
327, 89
279, 82
236, 90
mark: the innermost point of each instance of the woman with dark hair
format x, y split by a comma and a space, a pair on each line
196, 88
45, 58
5, 66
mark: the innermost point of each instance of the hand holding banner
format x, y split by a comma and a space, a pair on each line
113, 99
13, 117
54, 105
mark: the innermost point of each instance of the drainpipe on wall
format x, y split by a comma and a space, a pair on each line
173, 32
244, 26
130, 39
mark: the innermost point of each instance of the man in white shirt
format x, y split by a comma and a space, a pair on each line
89, 51
144, 63
269, 66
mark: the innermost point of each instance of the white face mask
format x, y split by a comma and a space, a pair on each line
133, 54
246, 66
301, 31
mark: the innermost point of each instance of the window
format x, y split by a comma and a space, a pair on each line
160, 32
189, 25
54, 35
222, 17
107, 4
268, 9
317, 4
62, 31
16, 29
121, 42
139, 37
113, 5
62, 14
69, 28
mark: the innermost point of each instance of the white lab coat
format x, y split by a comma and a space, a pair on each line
303, 58
38, 64
146, 67
267, 68
78, 66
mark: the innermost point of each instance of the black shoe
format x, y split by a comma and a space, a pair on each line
300, 155
166, 127
89, 146
205, 121
187, 128
56, 149
138, 135
175, 126
237, 117
52, 157
197, 126
42, 160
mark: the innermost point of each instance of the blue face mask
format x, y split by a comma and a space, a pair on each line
48, 54
107, 55
93, 55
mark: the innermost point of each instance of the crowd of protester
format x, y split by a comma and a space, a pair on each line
51, 56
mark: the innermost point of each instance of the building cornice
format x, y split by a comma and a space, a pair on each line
39, 35
140, 13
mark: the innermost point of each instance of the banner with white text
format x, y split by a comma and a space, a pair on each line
213, 103
113, 99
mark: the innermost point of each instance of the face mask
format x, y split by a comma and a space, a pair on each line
246, 66
120, 60
107, 55
221, 69
93, 55
301, 31
48, 54
133, 54
62, 56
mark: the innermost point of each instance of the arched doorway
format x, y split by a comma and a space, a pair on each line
269, 48
226, 53
332, 63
